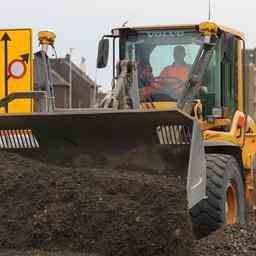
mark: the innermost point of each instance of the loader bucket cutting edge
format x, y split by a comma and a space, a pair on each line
158, 142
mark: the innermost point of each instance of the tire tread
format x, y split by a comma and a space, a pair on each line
208, 216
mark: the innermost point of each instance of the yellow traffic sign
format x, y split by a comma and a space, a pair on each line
16, 67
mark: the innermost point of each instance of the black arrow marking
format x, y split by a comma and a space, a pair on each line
25, 57
6, 38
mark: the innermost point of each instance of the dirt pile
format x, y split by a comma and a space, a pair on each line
101, 212
41, 253
235, 240
97, 211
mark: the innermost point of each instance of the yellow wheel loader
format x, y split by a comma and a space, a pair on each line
193, 123
207, 130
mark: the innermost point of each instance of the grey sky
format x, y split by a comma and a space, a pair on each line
80, 23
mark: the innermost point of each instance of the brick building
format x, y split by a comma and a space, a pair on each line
59, 72
82, 85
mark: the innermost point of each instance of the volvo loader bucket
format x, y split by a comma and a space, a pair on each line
157, 142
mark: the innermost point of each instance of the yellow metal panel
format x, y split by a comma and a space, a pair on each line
240, 76
251, 79
18, 45
182, 26
232, 31
234, 135
158, 105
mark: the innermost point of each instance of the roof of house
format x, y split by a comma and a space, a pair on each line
58, 80
57, 64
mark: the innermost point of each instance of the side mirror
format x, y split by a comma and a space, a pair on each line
103, 53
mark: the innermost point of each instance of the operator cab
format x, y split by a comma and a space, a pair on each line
165, 57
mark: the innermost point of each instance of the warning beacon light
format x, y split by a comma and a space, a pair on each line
46, 38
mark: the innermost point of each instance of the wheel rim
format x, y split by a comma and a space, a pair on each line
231, 205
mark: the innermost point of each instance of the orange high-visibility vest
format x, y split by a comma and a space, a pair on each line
180, 72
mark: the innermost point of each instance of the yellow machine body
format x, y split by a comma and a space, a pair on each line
240, 129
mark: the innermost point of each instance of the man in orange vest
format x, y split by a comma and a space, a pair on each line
173, 77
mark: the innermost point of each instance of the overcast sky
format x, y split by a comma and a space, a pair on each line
80, 23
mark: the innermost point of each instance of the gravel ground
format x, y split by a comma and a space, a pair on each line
233, 240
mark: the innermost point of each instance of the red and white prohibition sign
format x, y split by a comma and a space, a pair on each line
17, 69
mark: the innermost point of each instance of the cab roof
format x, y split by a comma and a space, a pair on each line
181, 26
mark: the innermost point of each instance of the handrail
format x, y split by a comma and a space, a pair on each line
21, 95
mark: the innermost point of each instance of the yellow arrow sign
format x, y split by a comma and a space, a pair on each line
16, 67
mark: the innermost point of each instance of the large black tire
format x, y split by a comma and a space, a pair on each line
209, 215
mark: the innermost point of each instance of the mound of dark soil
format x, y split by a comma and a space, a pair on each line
101, 211
41, 253
53, 210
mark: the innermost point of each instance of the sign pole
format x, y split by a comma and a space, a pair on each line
70, 76
210, 14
